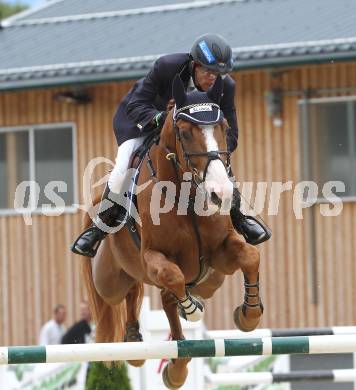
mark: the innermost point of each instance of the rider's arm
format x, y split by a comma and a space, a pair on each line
228, 107
140, 108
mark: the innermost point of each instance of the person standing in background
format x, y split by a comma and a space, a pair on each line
52, 331
80, 332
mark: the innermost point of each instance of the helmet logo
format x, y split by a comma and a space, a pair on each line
207, 53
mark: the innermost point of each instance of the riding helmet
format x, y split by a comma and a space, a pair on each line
213, 52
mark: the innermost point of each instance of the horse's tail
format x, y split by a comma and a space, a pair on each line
109, 320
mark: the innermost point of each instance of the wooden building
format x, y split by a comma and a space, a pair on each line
297, 117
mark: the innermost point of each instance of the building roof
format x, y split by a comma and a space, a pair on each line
73, 41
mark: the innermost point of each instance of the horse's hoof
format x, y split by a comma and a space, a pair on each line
243, 323
136, 363
133, 335
168, 381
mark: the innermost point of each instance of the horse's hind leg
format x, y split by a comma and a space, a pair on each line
108, 286
169, 277
176, 371
237, 254
133, 304
119, 287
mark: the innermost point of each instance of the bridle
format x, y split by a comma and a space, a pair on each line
211, 155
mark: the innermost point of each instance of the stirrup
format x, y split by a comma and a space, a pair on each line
92, 252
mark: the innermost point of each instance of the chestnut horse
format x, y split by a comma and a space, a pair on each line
187, 254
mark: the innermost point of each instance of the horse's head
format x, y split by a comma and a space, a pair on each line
201, 131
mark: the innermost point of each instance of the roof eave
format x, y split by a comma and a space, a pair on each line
51, 82
295, 60
96, 78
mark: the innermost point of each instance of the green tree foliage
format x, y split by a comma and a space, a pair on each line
7, 9
109, 378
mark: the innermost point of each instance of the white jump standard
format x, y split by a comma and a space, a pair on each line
178, 349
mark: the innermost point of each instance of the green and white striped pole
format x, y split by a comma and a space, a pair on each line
178, 349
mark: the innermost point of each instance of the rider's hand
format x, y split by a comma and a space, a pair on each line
159, 119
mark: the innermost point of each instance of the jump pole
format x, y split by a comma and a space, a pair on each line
256, 378
281, 332
178, 349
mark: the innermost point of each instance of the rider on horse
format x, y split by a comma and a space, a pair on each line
143, 111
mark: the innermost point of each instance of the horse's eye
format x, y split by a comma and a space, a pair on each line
186, 134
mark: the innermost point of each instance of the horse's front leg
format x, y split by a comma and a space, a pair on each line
166, 274
176, 371
170, 278
238, 254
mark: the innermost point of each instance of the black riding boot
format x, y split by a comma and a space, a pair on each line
88, 242
254, 231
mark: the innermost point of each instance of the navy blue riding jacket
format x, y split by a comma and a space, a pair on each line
152, 93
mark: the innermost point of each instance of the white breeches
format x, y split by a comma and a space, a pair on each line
124, 153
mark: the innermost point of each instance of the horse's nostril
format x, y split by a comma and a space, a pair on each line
215, 199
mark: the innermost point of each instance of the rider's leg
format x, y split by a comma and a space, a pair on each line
111, 213
254, 231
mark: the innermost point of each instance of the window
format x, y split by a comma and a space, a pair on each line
329, 142
40, 154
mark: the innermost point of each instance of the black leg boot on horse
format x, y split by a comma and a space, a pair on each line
254, 231
110, 215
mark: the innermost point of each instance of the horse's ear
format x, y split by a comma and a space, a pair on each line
178, 91
215, 92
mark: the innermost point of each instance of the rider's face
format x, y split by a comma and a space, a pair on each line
204, 78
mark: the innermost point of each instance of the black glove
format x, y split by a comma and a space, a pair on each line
159, 119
